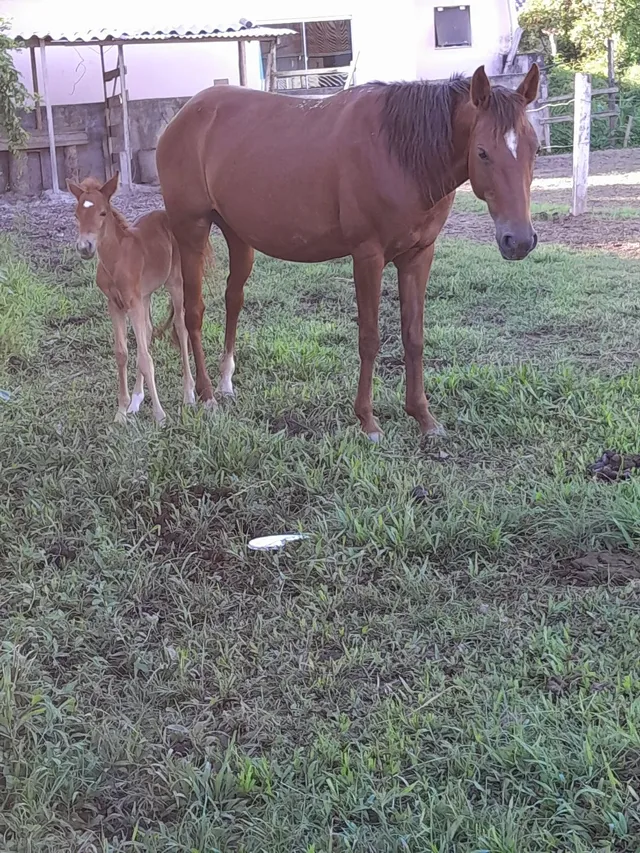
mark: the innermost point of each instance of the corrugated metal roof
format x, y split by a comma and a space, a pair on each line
242, 29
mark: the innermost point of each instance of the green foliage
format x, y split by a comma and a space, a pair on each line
578, 29
14, 97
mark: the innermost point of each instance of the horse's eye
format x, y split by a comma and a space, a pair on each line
103, 213
482, 154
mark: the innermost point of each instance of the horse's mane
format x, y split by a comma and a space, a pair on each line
417, 118
95, 185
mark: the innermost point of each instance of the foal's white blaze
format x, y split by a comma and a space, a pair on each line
511, 138
88, 203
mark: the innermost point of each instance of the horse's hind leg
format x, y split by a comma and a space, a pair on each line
192, 236
176, 290
241, 257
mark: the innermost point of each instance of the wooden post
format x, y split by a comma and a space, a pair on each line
242, 62
71, 170
125, 161
49, 109
611, 74
36, 91
581, 139
627, 132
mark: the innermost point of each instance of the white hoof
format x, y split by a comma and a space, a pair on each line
134, 405
375, 437
189, 398
120, 418
437, 431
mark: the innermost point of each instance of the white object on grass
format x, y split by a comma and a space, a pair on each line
273, 543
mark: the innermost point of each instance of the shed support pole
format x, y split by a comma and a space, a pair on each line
49, 110
242, 62
125, 162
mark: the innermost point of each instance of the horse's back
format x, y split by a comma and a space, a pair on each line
257, 158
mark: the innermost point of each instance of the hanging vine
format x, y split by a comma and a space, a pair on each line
15, 98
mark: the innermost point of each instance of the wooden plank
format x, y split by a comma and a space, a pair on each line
513, 50
567, 117
343, 69
113, 74
36, 92
581, 142
71, 170
627, 132
40, 141
49, 109
108, 159
611, 80
559, 99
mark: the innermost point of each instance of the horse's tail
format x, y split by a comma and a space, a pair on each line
160, 331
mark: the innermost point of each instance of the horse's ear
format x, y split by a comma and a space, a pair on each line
529, 86
74, 189
110, 187
480, 88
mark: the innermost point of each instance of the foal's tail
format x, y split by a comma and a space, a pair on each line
161, 330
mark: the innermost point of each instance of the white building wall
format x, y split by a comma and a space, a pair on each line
393, 41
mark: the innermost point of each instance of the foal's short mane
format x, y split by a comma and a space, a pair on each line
95, 185
417, 118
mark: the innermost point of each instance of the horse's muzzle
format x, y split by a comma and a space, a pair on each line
86, 248
514, 245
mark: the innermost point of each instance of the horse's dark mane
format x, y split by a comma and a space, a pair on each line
417, 118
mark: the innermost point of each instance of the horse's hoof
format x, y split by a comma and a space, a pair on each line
375, 437
120, 418
226, 391
210, 406
134, 405
436, 431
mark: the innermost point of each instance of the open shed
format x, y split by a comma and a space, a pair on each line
47, 137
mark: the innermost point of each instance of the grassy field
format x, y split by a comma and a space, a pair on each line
413, 677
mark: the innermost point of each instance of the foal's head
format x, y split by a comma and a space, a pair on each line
92, 211
502, 152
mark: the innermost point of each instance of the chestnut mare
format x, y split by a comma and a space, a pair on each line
133, 262
370, 172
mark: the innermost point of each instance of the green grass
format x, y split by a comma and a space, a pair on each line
412, 677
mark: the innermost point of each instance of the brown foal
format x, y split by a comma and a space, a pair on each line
133, 262
370, 172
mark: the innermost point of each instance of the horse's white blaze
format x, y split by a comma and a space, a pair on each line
88, 203
511, 138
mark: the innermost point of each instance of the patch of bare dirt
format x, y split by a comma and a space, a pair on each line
599, 568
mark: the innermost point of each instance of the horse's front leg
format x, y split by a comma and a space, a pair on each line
413, 273
119, 321
367, 272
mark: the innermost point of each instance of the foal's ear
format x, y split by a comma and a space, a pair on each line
74, 189
480, 88
110, 187
529, 86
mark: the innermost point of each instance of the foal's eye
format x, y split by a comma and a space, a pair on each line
103, 213
482, 154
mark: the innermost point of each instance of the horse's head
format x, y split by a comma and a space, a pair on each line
502, 152
92, 211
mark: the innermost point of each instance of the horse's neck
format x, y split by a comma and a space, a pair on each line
109, 242
462, 123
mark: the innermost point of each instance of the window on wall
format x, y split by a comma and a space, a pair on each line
453, 26
316, 44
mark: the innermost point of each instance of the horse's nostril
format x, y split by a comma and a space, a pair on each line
508, 241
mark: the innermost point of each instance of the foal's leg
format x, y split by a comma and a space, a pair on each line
137, 398
119, 321
413, 273
175, 288
139, 315
192, 236
367, 272
240, 265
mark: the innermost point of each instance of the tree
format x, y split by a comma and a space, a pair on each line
578, 29
14, 97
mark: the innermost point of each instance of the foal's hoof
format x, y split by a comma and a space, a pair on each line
435, 431
134, 405
225, 389
375, 437
210, 406
120, 418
